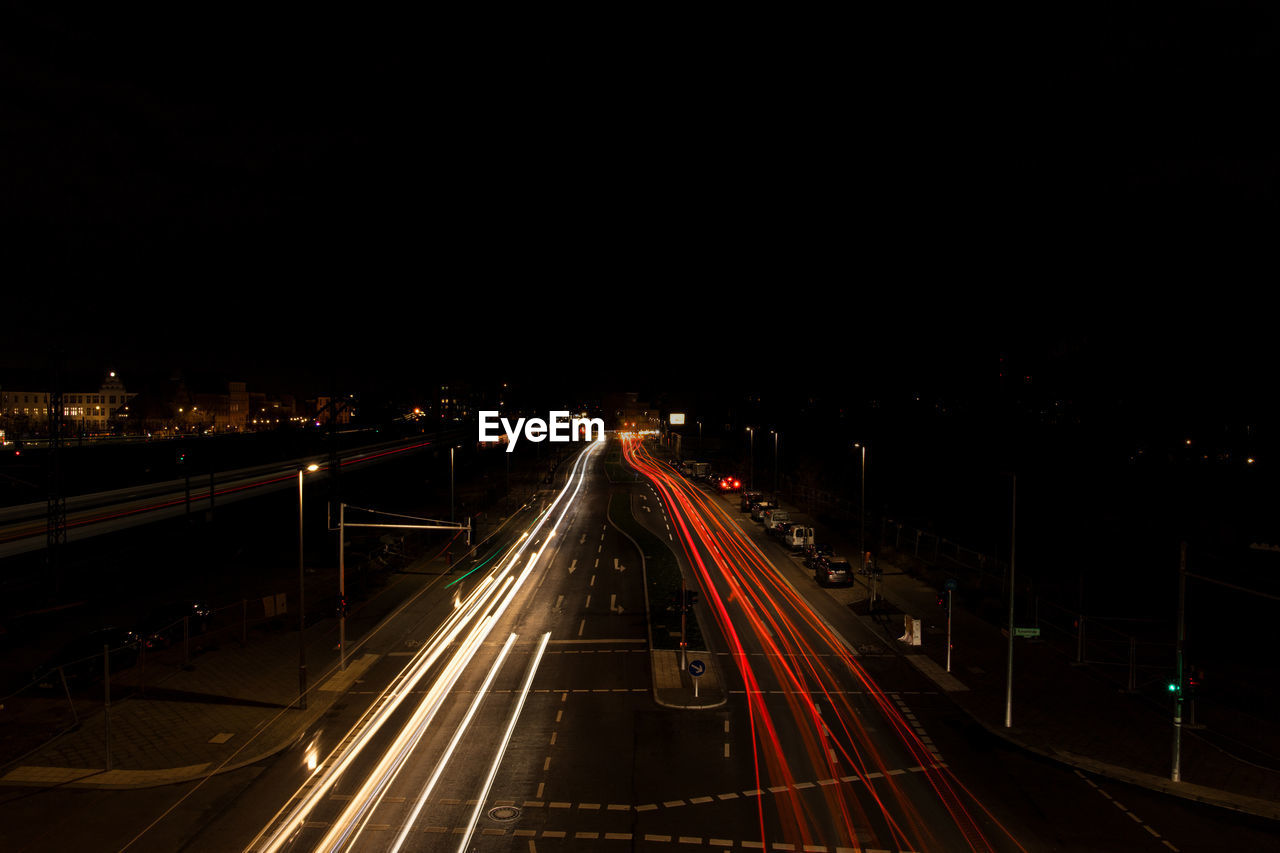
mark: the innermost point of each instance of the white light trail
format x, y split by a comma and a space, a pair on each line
453, 743
506, 738
480, 611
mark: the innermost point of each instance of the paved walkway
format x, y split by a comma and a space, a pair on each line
232, 706
1069, 713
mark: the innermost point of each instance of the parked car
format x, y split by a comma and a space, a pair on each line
832, 570
776, 519
749, 498
728, 483
796, 536
163, 626
759, 509
81, 659
815, 552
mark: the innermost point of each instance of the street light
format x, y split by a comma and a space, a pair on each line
302, 599
775, 461
752, 432
1013, 545
862, 506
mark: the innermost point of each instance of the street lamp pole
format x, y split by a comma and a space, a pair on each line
451, 484
775, 461
862, 506
342, 588
1175, 774
752, 432
302, 601
1013, 542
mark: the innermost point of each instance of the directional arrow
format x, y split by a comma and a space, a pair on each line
647, 509
618, 567
614, 606
573, 566
583, 540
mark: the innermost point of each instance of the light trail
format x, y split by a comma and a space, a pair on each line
768, 612
502, 747
90, 516
453, 744
472, 621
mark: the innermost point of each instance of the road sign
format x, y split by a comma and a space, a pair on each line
950, 584
1026, 632
696, 668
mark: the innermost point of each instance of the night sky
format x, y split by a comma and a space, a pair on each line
377, 200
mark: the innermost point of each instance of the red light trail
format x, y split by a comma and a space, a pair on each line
755, 607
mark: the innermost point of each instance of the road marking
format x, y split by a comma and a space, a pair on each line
538, 795
581, 625
1124, 809
588, 604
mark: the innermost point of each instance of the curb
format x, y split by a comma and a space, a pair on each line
1216, 797
653, 653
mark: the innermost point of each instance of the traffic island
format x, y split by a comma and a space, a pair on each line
675, 684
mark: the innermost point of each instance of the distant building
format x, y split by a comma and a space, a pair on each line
25, 411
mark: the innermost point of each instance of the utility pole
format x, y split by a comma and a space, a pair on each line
56, 506
1013, 542
1176, 774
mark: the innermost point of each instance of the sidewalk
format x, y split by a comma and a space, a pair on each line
233, 706
1066, 712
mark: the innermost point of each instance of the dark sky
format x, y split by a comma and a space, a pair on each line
599, 203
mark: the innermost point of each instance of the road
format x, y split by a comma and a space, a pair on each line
847, 762
514, 710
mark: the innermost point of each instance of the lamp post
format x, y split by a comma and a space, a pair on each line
775, 461
752, 479
302, 600
1013, 542
862, 506
451, 449
342, 588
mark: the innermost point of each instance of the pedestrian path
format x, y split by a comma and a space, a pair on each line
230, 707
1060, 710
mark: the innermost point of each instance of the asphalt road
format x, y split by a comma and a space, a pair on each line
829, 739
